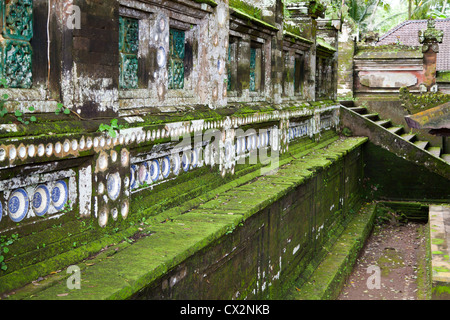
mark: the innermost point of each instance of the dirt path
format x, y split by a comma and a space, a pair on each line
391, 265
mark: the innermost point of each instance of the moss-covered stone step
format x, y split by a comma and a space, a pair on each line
409, 137
384, 123
329, 277
129, 268
446, 157
439, 224
371, 116
416, 211
436, 151
360, 110
421, 144
395, 129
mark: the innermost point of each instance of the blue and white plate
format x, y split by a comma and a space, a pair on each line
154, 170
41, 200
113, 185
59, 195
185, 162
165, 166
133, 182
176, 163
18, 205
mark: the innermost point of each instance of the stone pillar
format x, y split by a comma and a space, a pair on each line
346, 49
277, 54
328, 30
304, 14
430, 39
90, 75
216, 42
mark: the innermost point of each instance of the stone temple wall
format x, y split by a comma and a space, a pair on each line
103, 101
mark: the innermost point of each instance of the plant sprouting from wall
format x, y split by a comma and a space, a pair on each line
60, 108
4, 243
111, 128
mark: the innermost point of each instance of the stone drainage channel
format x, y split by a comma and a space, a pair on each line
391, 266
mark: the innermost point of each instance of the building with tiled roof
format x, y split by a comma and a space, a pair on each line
407, 33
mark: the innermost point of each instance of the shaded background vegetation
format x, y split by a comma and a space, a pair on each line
381, 15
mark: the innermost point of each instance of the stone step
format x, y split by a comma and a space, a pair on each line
446, 157
360, 110
439, 230
421, 144
328, 278
436, 151
371, 116
395, 130
383, 123
408, 136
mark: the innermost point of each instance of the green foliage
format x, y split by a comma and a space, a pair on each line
4, 243
110, 129
425, 9
18, 114
60, 108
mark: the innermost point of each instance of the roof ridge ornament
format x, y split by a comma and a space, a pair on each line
431, 37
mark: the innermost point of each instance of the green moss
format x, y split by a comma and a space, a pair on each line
326, 279
415, 103
246, 8
251, 15
443, 77
210, 2
440, 269
195, 229
437, 241
388, 48
438, 290
324, 45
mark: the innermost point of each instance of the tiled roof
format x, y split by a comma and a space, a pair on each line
408, 34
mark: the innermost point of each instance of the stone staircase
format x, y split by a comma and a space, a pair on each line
395, 138
400, 131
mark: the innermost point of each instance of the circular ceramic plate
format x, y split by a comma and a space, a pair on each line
176, 163
143, 173
18, 205
59, 195
124, 209
185, 162
113, 185
194, 158
237, 146
41, 200
165, 166
133, 182
161, 57
154, 170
